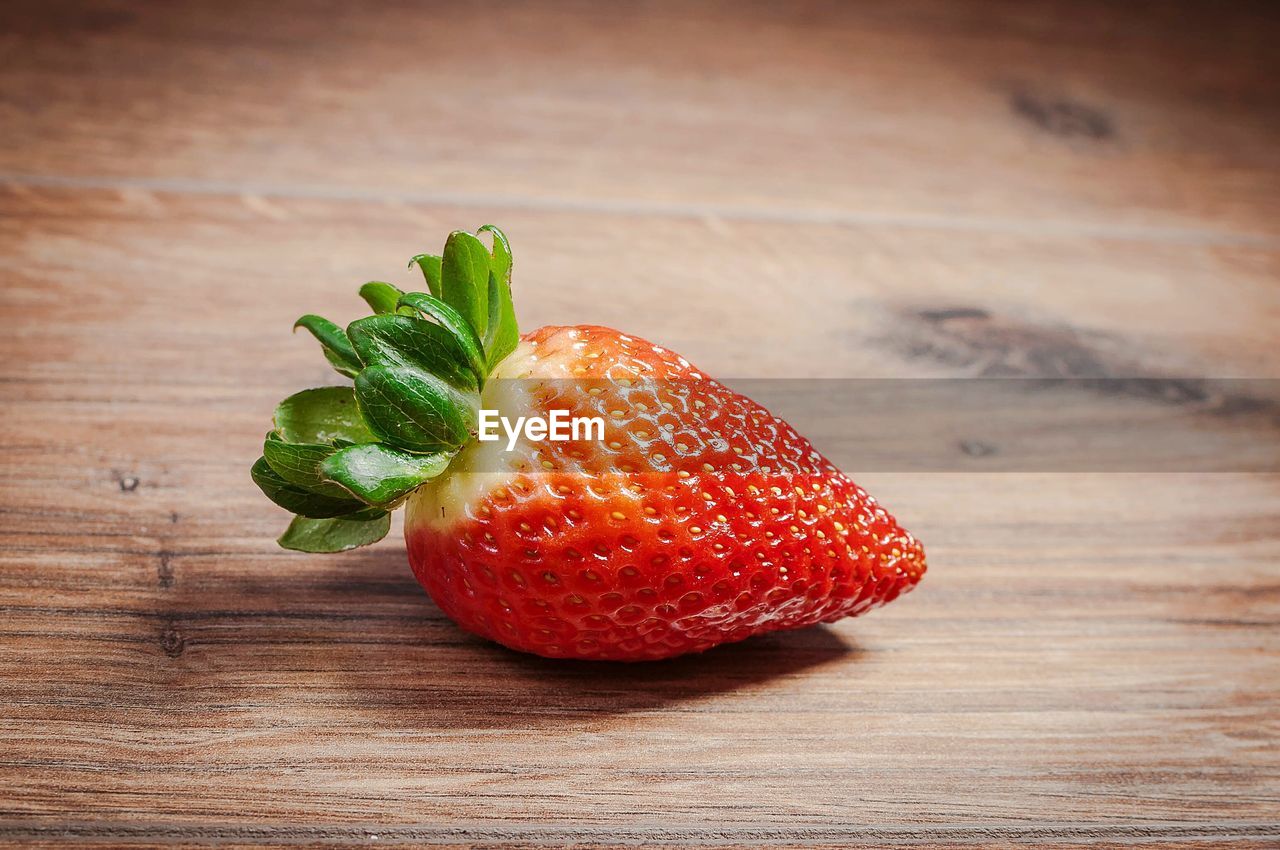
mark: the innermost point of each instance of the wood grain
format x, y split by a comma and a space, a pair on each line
970, 115
1092, 658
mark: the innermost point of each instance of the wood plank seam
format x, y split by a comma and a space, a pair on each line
710, 211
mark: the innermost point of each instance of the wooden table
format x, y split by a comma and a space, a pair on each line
807, 190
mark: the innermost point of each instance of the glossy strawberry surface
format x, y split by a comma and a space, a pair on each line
700, 519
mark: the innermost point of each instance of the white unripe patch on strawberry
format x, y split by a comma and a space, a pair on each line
484, 468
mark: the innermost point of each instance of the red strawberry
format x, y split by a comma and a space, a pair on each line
699, 519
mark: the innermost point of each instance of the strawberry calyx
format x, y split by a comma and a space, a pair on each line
341, 458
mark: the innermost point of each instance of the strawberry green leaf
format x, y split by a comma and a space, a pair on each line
299, 464
415, 410
495, 312
408, 340
381, 297
337, 348
418, 364
464, 279
299, 500
503, 335
321, 416
337, 534
381, 475
500, 260
431, 270
452, 321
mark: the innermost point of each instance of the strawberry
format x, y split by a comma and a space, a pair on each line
696, 518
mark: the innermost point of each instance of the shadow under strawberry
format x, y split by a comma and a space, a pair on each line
356, 640
502, 688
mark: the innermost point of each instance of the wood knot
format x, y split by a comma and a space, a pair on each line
164, 572
977, 448
948, 314
1062, 117
172, 641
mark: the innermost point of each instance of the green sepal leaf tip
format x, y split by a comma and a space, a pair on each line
500, 258
502, 334
464, 279
299, 464
381, 297
381, 475
333, 339
336, 534
322, 415
430, 264
300, 500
